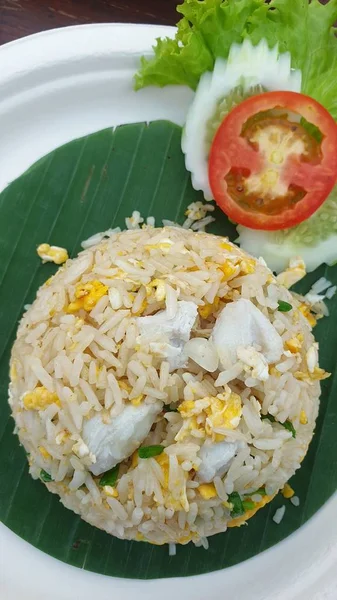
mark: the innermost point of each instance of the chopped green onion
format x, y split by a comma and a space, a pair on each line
248, 505
269, 417
284, 306
110, 477
287, 424
237, 506
45, 476
261, 492
149, 451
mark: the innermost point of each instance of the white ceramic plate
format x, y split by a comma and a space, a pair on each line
57, 86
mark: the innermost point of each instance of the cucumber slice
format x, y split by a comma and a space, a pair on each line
248, 70
315, 240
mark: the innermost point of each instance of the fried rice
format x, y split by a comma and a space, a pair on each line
150, 432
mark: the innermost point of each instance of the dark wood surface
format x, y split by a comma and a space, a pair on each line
23, 17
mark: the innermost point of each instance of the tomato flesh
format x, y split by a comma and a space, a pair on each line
266, 192
266, 170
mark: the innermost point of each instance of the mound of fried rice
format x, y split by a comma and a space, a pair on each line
79, 353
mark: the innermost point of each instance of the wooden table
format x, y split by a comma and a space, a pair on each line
23, 17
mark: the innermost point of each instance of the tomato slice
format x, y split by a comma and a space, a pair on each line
267, 168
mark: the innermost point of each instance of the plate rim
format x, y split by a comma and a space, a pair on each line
14, 546
90, 26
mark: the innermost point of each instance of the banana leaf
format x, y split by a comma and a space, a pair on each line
86, 186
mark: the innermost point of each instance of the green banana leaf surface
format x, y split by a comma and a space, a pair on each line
87, 186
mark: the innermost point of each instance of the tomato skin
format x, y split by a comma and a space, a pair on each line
231, 150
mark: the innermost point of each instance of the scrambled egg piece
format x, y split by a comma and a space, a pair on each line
294, 273
156, 286
163, 461
294, 345
136, 401
186, 538
223, 410
305, 310
228, 270
87, 295
318, 374
110, 491
179, 501
39, 399
303, 417
226, 246
53, 254
62, 436
209, 309
273, 371
287, 491
163, 245
235, 266
44, 452
247, 266
124, 385
13, 371
207, 491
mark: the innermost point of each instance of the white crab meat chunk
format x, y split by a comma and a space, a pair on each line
216, 459
168, 336
113, 442
240, 325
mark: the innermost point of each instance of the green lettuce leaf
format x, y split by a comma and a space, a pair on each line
209, 28
307, 31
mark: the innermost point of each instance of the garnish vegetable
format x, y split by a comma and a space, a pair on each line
266, 171
45, 476
284, 306
208, 29
150, 451
232, 38
110, 477
237, 508
249, 70
286, 424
